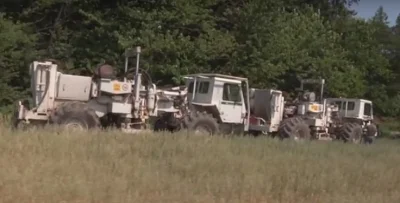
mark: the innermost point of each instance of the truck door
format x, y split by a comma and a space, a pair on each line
231, 104
276, 109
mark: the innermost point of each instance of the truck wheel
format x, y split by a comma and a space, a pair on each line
294, 128
160, 125
167, 122
352, 132
75, 115
372, 130
202, 123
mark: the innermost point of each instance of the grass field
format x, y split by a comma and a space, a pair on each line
49, 166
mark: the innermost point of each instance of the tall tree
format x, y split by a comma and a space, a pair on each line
177, 37
274, 43
383, 90
380, 16
328, 9
17, 49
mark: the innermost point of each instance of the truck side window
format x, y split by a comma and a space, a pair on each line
201, 87
367, 109
231, 92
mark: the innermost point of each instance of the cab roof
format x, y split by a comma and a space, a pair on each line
215, 75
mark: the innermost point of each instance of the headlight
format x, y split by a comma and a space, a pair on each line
316, 108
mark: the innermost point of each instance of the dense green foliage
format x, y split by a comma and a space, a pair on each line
271, 42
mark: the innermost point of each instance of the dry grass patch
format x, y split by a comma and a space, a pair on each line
114, 167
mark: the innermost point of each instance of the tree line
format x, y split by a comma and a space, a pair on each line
272, 42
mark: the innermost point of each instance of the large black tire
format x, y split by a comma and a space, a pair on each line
160, 125
370, 134
75, 115
167, 122
294, 128
202, 123
352, 132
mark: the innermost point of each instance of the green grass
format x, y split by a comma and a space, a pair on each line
53, 166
